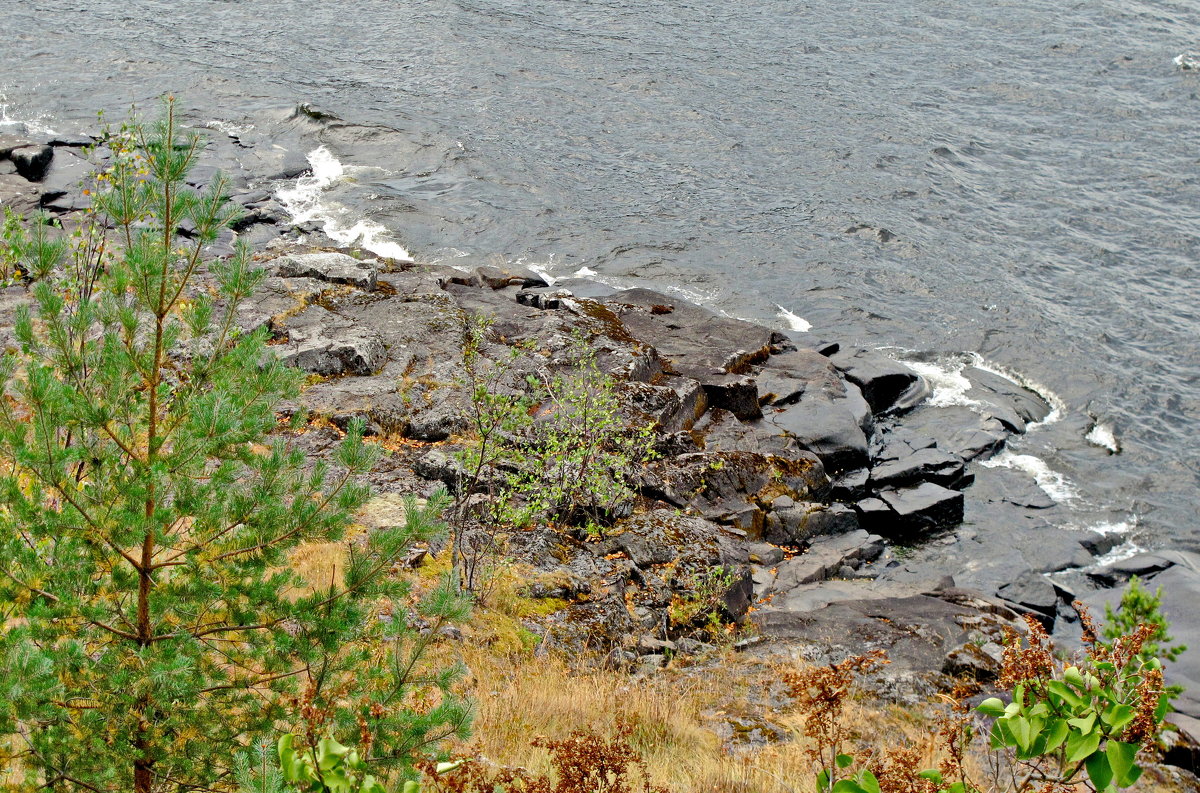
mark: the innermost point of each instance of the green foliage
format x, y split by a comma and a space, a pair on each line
1139, 607
548, 447
258, 771
147, 521
703, 603
1087, 721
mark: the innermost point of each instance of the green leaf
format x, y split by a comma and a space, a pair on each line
869, 782
848, 786
1121, 758
1058, 688
991, 707
1056, 733
1022, 732
1099, 770
1084, 723
844, 760
1080, 745
1117, 716
823, 781
1073, 676
933, 775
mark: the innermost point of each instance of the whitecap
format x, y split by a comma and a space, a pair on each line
585, 272
1188, 61
948, 384
1125, 550
1057, 406
1102, 435
795, 322
1052, 483
304, 202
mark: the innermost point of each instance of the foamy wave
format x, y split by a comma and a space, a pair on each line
948, 383
1188, 61
1125, 550
228, 127
795, 322
1052, 483
35, 125
304, 202
1057, 406
1102, 435
585, 272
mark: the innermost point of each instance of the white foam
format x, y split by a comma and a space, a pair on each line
795, 322
34, 125
948, 384
1057, 406
1102, 435
695, 295
304, 202
1052, 483
1188, 61
585, 272
1125, 550
228, 127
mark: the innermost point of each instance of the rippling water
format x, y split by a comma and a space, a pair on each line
1012, 179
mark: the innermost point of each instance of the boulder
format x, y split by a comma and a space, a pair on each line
736, 393
32, 162
886, 384
336, 268
1033, 593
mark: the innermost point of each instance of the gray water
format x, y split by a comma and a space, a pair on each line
1013, 179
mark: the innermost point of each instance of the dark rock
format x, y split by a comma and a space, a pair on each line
66, 174
930, 465
917, 511
739, 597
886, 384
764, 553
1032, 592
736, 393
324, 343
804, 521
1180, 583
691, 336
336, 268
1028, 406
851, 485
498, 277
18, 194
959, 430
32, 162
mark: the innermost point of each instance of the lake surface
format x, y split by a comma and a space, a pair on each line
1011, 182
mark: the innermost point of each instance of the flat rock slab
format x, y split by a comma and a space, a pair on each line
336, 268
915, 511
324, 343
928, 465
825, 558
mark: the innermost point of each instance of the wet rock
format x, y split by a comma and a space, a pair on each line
32, 162
325, 343
914, 511
885, 384
1028, 406
336, 268
959, 430
929, 465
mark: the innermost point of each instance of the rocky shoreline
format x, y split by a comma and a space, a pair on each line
818, 474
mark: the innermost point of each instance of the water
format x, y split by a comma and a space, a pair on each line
1016, 180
